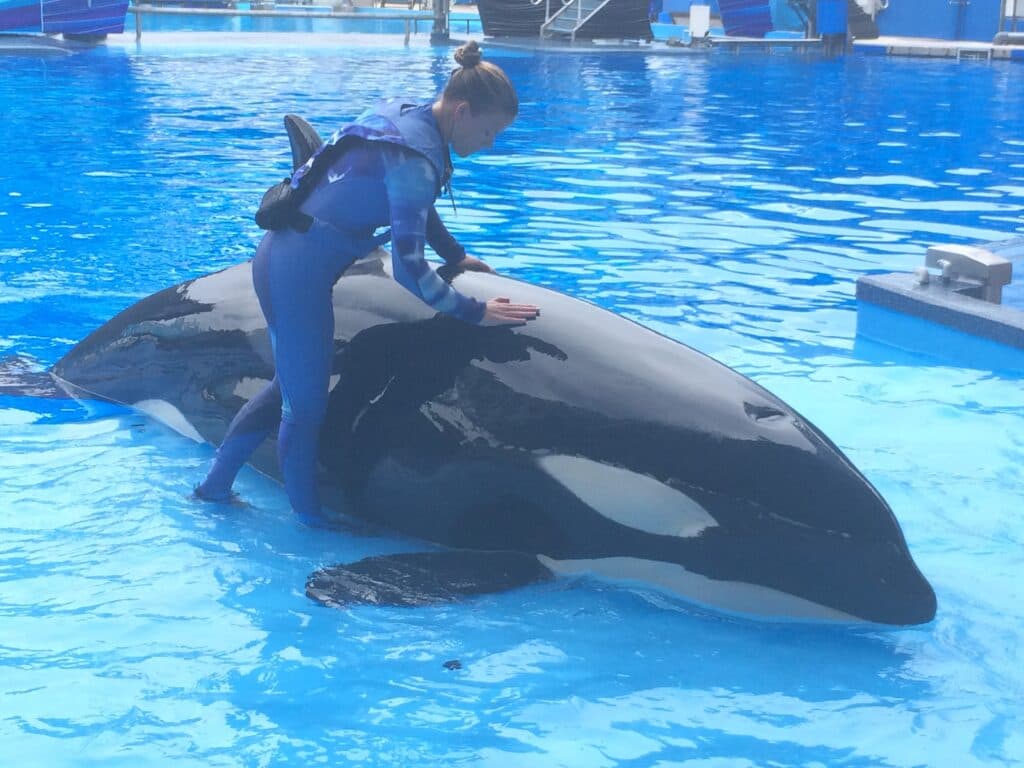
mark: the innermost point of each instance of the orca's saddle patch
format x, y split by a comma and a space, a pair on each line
423, 578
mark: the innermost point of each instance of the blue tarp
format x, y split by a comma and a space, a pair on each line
746, 18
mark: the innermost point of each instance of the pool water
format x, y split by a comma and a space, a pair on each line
729, 202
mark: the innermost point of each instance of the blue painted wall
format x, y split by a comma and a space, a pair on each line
783, 16
973, 20
683, 6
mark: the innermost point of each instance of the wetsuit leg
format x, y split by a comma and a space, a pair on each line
257, 419
295, 290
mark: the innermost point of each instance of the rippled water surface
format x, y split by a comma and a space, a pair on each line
727, 201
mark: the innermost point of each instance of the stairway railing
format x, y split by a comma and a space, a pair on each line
581, 19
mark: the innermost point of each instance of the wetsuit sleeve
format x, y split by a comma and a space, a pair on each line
411, 184
441, 240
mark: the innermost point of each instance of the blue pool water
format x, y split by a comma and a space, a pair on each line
727, 201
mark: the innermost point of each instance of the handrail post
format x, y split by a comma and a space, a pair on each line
439, 33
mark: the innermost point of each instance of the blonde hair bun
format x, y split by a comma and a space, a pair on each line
480, 83
468, 55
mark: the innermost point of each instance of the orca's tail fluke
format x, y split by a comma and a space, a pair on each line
23, 376
303, 138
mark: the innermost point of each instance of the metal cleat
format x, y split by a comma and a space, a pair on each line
983, 272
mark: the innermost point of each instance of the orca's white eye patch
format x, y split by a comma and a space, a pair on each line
630, 498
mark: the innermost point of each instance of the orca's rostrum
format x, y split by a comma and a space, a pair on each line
579, 443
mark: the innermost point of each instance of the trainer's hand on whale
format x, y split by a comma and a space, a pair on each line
501, 311
473, 264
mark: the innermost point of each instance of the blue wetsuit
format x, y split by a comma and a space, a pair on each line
393, 167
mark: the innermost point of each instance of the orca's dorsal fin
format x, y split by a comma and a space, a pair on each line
423, 578
303, 138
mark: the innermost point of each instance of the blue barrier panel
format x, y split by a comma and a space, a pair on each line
831, 17
746, 18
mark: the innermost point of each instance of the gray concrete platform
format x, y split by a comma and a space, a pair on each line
12, 43
955, 302
943, 304
657, 47
930, 48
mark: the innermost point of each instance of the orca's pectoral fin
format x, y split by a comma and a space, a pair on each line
423, 578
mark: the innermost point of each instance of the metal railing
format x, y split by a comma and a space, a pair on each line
580, 18
411, 18
1013, 16
548, 16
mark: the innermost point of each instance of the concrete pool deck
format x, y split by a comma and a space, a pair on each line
972, 292
961, 50
659, 47
669, 39
930, 48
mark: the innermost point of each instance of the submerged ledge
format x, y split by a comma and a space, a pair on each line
955, 300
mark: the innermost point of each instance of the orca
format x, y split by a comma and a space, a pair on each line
583, 441
579, 443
